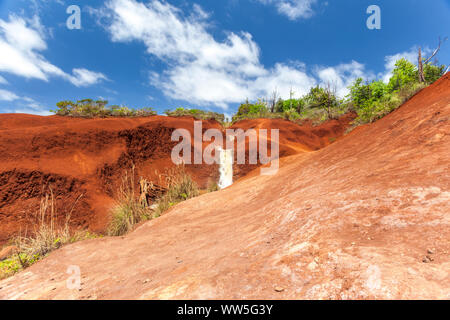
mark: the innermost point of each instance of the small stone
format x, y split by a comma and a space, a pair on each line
430, 258
146, 281
353, 243
430, 251
312, 266
279, 289
425, 260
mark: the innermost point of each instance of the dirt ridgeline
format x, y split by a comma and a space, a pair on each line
366, 217
82, 161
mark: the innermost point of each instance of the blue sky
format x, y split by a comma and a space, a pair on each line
211, 54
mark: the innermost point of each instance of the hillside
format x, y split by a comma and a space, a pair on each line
82, 161
365, 217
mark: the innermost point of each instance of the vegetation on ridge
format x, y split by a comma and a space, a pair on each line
88, 108
370, 100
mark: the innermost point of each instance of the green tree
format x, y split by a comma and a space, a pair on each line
405, 73
323, 98
433, 72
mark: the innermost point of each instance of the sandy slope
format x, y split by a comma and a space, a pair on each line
353, 220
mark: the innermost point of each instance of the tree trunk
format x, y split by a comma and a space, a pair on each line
420, 67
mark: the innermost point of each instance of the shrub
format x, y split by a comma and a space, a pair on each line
88, 108
388, 103
433, 72
322, 98
291, 115
296, 105
196, 113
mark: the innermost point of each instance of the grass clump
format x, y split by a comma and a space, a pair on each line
47, 237
130, 209
180, 187
133, 207
212, 186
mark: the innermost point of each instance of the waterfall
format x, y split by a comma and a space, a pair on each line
225, 167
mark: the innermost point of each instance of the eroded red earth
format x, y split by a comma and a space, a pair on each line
82, 161
365, 217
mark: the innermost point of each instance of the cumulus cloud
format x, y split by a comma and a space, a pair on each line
202, 70
342, 76
293, 9
21, 44
84, 77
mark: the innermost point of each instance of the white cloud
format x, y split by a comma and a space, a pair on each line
342, 76
32, 107
37, 112
6, 95
84, 77
24, 104
21, 44
293, 9
3, 80
200, 69
204, 71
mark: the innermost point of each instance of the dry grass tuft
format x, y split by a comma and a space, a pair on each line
47, 236
131, 208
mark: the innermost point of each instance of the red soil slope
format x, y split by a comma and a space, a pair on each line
82, 162
356, 219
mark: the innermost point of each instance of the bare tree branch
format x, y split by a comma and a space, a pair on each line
435, 51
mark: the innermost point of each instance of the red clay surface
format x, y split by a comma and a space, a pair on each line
354, 220
85, 159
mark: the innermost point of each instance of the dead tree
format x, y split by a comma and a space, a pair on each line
273, 100
330, 91
422, 62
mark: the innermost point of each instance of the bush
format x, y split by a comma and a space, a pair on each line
88, 108
324, 99
433, 72
296, 105
385, 105
196, 113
